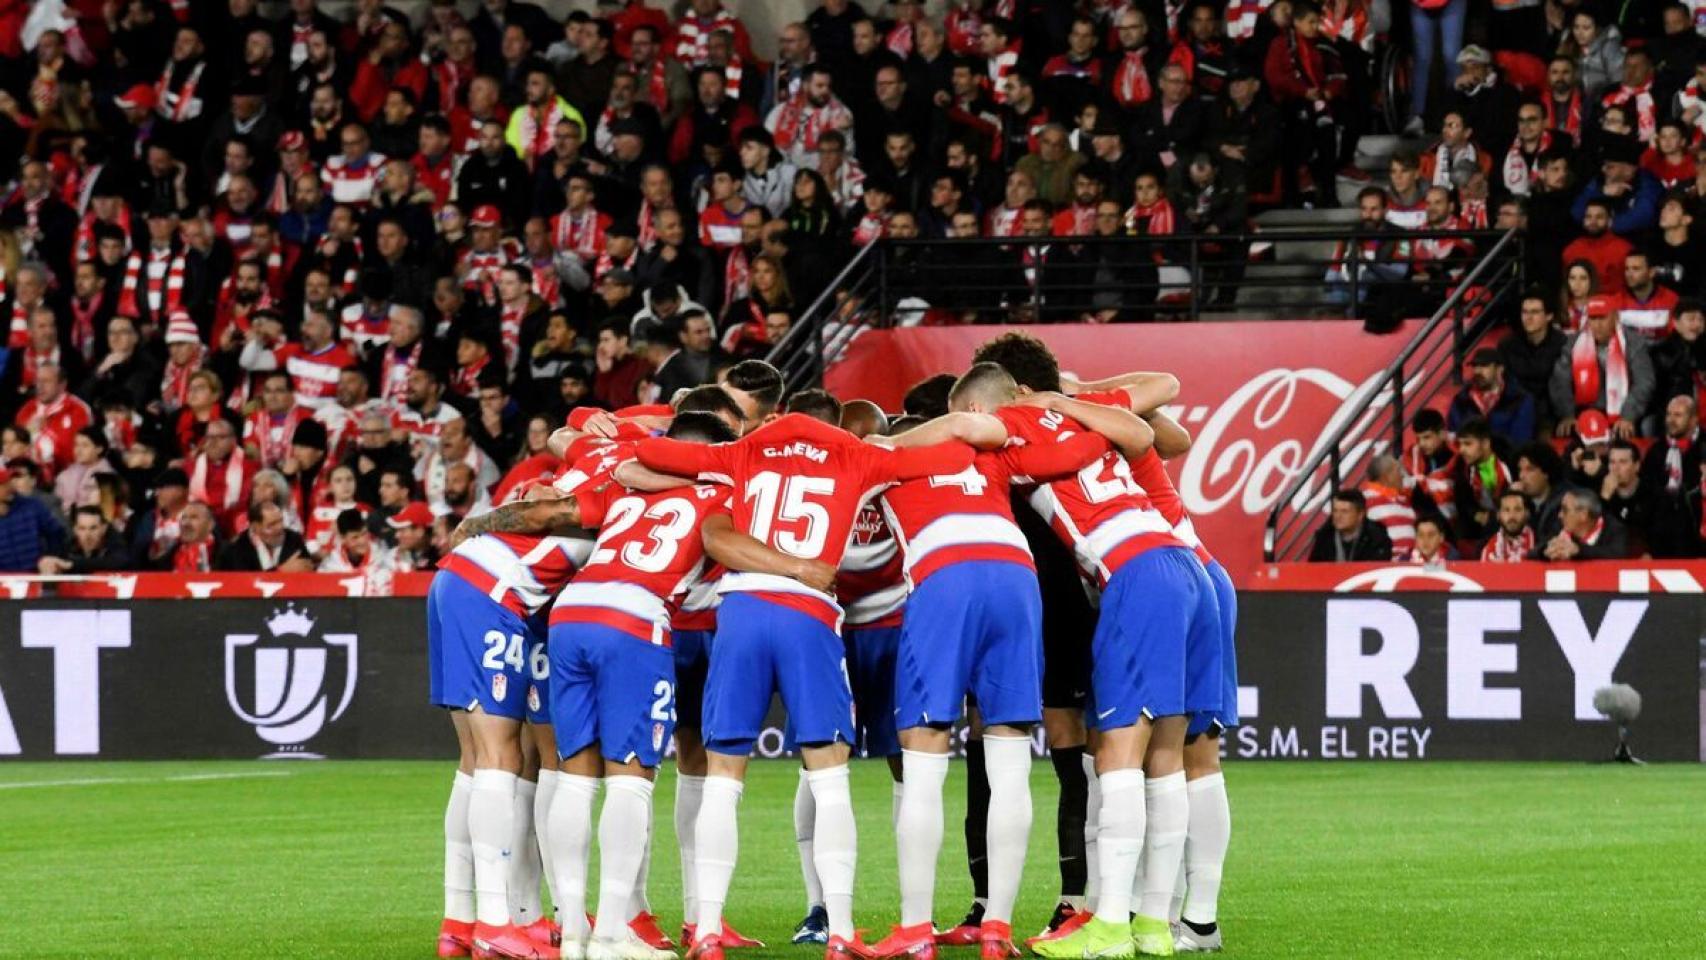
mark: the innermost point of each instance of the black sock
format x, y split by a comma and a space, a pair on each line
1203, 928
1069, 819
977, 818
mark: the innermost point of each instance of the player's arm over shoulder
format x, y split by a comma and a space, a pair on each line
684, 459
1144, 391
1124, 429
738, 550
981, 430
1041, 462
551, 513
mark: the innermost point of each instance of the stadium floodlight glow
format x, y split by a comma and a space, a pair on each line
1620, 703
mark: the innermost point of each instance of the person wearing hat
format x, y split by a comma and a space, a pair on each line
304, 467
410, 532
1632, 194
1605, 369
487, 253
1485, 101
1508, 409
137, 105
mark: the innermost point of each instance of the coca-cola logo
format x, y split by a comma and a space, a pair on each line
1256, 443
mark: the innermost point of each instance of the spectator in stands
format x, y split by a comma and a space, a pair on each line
1679, 360
1644, 306
1671, 474
1529, 357
1478, 478
1348, 536
28, 531
267, 545
1603, 368
353, 549
1586, 533
1433, 546
1625, 498
1597, 49
94, 546
1374, 259
1243, 128
1540, 477
1507, 408
1456, 146
1489, 106
1305, 81
1387, 502
1585, 453
1600, 247
75, 485
1631, 194
1052, 165
1513, 541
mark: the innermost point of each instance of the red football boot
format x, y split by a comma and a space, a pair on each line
1065, 921
455, 938
544, 931
735, 940
842, 948
995, 941
917, 942
509, 942
645, 926
708, 948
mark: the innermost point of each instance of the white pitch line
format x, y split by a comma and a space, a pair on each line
178, 778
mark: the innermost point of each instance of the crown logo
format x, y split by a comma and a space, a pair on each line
290, 621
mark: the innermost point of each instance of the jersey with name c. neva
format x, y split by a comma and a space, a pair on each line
1101, 511
953, 518
1150, 472
798, 486
648, 553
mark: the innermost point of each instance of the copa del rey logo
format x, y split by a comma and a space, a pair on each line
1249, 449
292, 674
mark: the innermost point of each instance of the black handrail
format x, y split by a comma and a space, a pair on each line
805, 336
1483, 288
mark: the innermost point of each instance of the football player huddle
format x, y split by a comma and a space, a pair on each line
1009, 554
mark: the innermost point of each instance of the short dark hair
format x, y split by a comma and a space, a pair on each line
1436, 522
982, 379
1429, 420
711, 399
1351, 496
1622, 444
1544, 458
1514, 492
1028, 359
1476, 427
929, 397
817, 404
351, 520
700, 427
759, 380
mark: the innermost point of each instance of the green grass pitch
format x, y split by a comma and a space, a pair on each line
342, 859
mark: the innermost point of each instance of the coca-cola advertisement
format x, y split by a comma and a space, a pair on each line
1257, 397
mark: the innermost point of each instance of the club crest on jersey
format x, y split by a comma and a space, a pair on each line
799, 448
500, 686
277, 681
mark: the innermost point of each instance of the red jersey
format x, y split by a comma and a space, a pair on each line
1101, 512
1150, 472
799, 485
967, 516
313, 374
871, 585
521, 571
649, 552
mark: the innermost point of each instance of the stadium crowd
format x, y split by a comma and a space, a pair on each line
299, 292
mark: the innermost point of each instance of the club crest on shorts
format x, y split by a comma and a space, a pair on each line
277, 681
500, 686
533, 697
657, 736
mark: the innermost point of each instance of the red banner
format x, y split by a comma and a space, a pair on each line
200, 586
1257, 397
1595, 576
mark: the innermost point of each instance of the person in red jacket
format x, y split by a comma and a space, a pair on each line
1306, 81
388, 65
1600, 247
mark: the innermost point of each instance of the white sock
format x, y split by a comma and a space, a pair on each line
1120, 839
836, 845
918, 833
1208, 835
1177, 906
1092, 821
571, 838
689, 791
805, 828
621, 848
458, 854
718, 834
638, 902
1007, 761
542, 827
897, 792
525, 864
491, 831
1163, 841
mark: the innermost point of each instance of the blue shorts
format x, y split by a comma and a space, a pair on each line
762, 648
1226, 598
476, 650
612, 689
971, 627
1157, 609
871, 664
692, 658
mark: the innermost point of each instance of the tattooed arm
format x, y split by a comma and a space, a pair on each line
558, 515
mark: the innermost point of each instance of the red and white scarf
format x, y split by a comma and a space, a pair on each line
1000, 66
800, 122
537, 124
1522, 169
193, 557
509, 331
158, 280
18, 330
85, 248
1242, 17
394, 372
657, 82
1154, 219
175, 385
1508, 549
1132, 87
693, 35
737, 275
1593, 535
1586, 378
900, 41
271, 436
182, 104
1572, 123
453, 81
33, 361
233, 492
1640, 100
732, 72
581, 233
605, 264
546, 283
1445, 157
1675, 449
465, 382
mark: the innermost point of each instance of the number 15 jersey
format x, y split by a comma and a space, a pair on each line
798, 487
